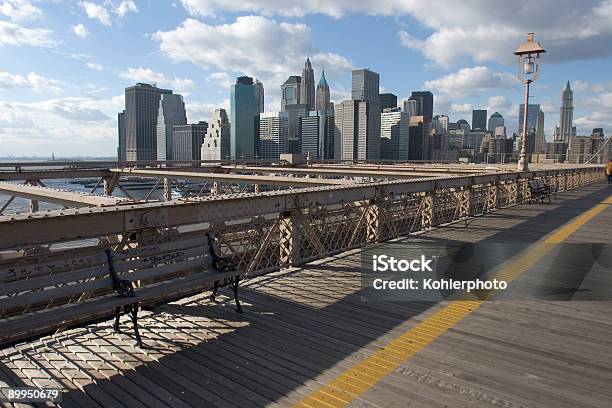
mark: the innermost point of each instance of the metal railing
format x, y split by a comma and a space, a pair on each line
271, 230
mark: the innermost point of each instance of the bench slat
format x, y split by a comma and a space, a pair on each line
70, 259
42, 322
60, 278
34, 300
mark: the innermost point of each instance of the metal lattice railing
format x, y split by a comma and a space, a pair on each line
265, 232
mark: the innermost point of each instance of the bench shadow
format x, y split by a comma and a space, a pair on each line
277, 345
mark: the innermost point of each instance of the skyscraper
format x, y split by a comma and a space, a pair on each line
394, 134
246, 104
322, 97
187, 141
479, 119
216, 145
307, 86
540, 138
259, 95
411, 107
418, 142
566, 121
388, 101
358, 130
439, 138
495, 120
171, 113
424, 103
140, 121
290, 91
532, 118
273, 129
365, 86
294, 113
317, 135
121, 130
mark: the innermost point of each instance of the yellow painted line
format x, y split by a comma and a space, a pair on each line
346, 387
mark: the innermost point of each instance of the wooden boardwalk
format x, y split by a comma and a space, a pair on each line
302, 328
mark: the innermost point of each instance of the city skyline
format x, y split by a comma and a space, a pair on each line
63, 75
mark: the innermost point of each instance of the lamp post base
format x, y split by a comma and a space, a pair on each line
522, 164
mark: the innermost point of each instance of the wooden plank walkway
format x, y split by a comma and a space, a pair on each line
304, 327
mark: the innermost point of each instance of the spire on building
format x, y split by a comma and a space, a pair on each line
323, 81
322, 98
307, 86
566, 120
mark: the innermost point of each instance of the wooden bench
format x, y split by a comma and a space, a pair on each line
43, 293
539, 190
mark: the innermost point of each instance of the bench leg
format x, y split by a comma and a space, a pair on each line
213, 297
235, 289
117, 315
134, 315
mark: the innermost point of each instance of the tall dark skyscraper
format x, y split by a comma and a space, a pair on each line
365, 86
532, 118
140, 121
121, 128
246, 101
307, 86
388, 101
259, 95
323, 99
290, 91
566, 120
424, 102
479, 119
317, 135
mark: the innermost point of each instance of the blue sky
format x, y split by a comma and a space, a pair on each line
64, 64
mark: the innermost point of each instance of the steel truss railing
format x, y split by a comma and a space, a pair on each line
271, 230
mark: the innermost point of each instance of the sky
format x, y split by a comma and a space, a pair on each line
64, 64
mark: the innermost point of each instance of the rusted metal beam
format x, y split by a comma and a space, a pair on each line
57, 196
362, 171
57, 226
52, 174
232, 178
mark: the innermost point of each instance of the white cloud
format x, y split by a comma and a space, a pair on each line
95, 11
197, 110
13, 34
103, 12
461, 31
80, 30
33, 81
339, 93
461, 108
450, 46
124, 7
69, 126
251, 45
94, 66
471, 82
220, 79
18, 10
147, 75
591, 87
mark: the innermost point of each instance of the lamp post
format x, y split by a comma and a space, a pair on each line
528, 71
